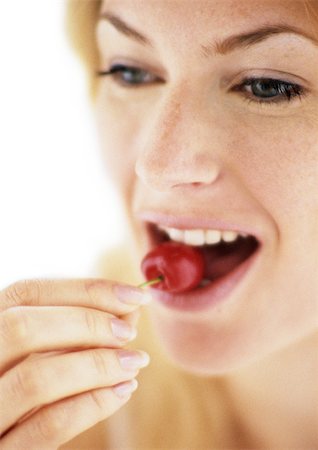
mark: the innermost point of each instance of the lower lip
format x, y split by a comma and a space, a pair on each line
209, 296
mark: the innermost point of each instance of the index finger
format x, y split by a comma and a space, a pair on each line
110, 296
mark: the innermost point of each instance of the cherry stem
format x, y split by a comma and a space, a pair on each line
151, 282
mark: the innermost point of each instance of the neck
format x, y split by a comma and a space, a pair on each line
276, 400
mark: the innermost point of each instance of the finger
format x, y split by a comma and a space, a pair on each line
34, 383
97, 293
29, 329
50, 427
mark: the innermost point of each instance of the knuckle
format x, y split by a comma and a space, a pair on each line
99, 362
15, 327
5, 328
97, 399
50, 423
20, 383
95, 289
28, 382
91, 322
23, 292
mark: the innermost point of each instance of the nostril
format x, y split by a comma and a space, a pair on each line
199, 176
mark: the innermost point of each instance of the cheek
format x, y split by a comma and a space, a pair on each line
279, 165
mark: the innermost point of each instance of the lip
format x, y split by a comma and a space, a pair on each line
219, 290
210, 296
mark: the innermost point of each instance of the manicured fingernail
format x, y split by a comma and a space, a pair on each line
131, 295
122, 329
132, 360
126, 388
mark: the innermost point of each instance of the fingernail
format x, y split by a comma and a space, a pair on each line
131, 295
130, 359
122, 329
126, 388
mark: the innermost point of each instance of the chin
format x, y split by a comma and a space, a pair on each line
213, 351
207, 353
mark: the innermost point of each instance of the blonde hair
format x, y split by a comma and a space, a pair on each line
81, 18
80, 22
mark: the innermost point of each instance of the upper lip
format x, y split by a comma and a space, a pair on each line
200, 222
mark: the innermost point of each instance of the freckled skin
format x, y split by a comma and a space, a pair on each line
189, 147
187, 130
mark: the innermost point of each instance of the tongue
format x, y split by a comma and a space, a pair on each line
223, 258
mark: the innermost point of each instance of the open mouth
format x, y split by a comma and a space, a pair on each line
220, 258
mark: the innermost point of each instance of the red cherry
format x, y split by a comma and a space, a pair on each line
179, 266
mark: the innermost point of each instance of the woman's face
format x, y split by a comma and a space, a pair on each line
188, 137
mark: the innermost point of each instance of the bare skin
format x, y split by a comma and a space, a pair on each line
259, 160
185, 142
52, 331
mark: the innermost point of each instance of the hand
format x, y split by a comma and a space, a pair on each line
60, 357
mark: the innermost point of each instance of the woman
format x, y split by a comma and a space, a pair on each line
208, 119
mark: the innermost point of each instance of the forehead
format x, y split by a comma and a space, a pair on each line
182, 18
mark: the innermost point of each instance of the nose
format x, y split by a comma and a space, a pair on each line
177, 149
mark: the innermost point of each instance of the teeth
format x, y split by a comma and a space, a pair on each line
212, 236
229, 236
201, 237
175, 235
194, 237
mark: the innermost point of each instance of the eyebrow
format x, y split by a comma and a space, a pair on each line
246, 40
228, 45
125, 29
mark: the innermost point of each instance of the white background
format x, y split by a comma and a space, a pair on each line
58, 211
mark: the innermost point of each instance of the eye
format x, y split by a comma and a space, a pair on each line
129, 76
269, 90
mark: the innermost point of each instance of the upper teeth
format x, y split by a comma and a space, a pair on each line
201, 237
